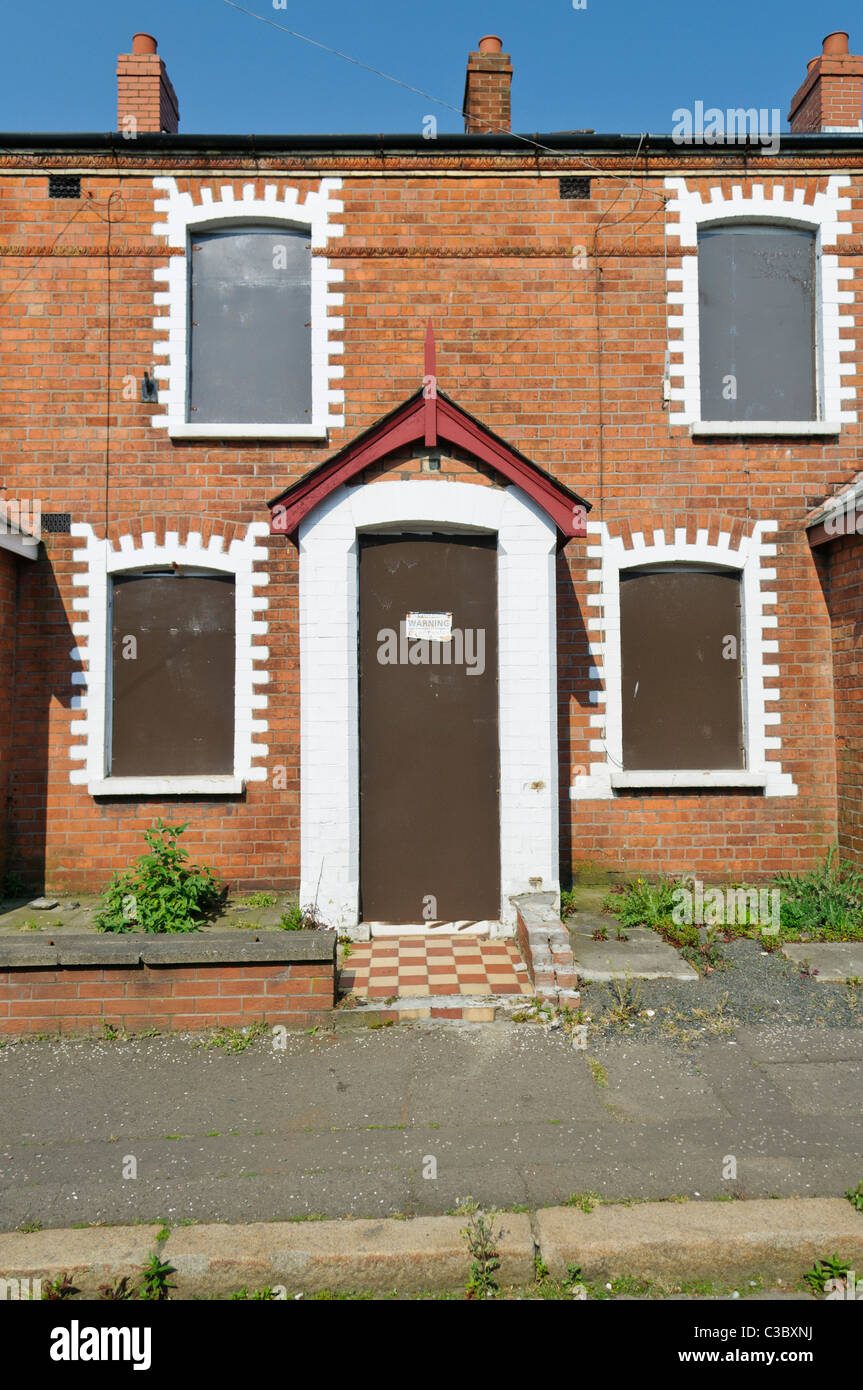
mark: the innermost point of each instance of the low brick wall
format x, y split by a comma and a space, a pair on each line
545, 945
137, 982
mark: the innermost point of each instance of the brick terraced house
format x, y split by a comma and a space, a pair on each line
421, 517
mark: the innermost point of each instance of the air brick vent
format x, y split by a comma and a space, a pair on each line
575, 188
64, 186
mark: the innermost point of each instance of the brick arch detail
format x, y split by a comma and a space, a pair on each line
223, 547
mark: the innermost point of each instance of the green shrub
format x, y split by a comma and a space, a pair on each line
642, 904
828, 900
161, 892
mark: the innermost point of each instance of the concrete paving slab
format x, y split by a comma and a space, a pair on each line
645, 956
817, 1088
723, 1241
425, 1253
652, 1084
340, 1124
834, 960
91, 1256
800, 1043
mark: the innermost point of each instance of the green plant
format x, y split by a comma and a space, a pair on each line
61, 1287
259, 900
302, 919
30, 1226
154, 1284
625, 998
267, 1294
164, 1230
598, 1072
567, 901
109, 1032
118, 1292
822, 1270
536, 1011
642, 904
827, 900
466, 1207
600, 933
485, 1262
233, 1039
683, 935
585, 1201
707, 956
806, 969
161, 892
540, 1269
855, 1196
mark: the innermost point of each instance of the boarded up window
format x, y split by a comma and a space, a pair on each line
250, 327
680, 642
173, 675
756, 304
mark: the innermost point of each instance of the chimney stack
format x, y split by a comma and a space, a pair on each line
486, 89
146, 101
831, 97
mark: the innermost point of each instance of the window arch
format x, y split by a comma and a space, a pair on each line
674, 552
215, 649
692, 212
278, 379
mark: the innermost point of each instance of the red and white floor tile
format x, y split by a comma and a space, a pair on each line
408, 968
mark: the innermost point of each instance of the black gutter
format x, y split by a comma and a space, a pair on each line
564, 143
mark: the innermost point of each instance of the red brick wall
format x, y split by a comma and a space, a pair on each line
137, 998
846, 613
566, 364
8, 573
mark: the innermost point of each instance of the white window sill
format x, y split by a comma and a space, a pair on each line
179, 429
711, 777
765, 427
219, 785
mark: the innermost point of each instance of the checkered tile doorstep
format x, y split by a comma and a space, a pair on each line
408, 968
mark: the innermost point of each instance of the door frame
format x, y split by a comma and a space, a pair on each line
329, 680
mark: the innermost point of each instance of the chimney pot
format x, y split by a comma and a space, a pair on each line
831, 96
836, 43
146, 100
486, 103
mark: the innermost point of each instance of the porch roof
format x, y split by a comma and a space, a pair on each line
431, 419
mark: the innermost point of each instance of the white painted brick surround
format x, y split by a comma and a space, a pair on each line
99, 561
182, 216
686, 212
329, 714
609, 556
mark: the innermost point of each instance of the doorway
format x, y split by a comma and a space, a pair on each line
429, 742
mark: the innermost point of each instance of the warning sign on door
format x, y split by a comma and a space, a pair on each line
429, 627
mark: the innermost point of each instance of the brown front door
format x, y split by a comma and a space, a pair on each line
429, 810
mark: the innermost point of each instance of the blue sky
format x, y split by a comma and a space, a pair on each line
616, 65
